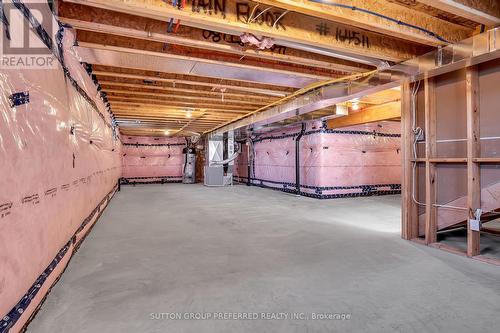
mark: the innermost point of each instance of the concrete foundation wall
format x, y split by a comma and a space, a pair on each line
60, 160
148, 159
353, 161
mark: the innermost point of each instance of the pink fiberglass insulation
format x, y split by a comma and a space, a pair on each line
148, 159
60, 163
352, 161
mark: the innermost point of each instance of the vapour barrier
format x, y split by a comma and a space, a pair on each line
60, 160
354, 161
152, 160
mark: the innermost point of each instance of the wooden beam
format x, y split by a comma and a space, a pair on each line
152, 90
178, 102
371, 114
143, 117
130, 95
341, 11
106, 42
473, 151
233, 17
430, 168
193, 80
144, 90
119, 24
169, 108
486, 12
154, 133
409, 207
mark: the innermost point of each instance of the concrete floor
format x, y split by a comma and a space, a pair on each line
490, 244
191, 249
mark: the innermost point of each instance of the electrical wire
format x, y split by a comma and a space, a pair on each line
253, 12
419, 133
366, 11
262, 12
280, 17
300, 92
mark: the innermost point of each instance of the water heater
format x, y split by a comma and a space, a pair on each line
189, 168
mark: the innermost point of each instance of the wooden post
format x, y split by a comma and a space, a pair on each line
409, 208
430, 167
473, 151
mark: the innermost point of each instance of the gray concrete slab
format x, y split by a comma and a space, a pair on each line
191, 249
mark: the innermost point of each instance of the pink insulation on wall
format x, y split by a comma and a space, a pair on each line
353, 161
148, 159
60, 163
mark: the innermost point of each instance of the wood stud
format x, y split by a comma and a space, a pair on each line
473, 151
430, 167
472, 161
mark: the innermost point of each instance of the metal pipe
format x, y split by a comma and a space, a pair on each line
297, 158
226, 161
249, 162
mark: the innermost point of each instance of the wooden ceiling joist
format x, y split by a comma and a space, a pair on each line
201, 76
120, 95
387, 111
181, 116
347, 12
171, 105
193, 80
486, 12
174, 109
120, 24
195, 104
140, 47
145, 90
192, 84
234, 19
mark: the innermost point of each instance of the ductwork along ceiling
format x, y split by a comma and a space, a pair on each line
204, 66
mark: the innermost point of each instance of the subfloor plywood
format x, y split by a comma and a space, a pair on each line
188, 248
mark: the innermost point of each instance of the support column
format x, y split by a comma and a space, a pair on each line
430, 168
409, 208
473, 152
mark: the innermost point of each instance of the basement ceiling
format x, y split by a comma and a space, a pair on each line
174, 70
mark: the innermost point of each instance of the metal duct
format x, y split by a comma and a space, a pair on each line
474, 50
335, 54
226, 161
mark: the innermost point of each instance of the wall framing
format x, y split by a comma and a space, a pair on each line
464, 161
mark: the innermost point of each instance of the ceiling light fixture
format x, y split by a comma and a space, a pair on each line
355, 104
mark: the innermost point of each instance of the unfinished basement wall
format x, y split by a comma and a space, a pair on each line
60, 161
152, 159
457, 163
348, 162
